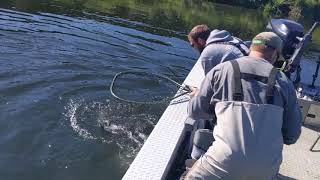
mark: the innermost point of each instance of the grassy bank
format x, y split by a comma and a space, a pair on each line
292, 9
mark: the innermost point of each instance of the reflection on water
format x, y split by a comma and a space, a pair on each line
169, 18
58, 119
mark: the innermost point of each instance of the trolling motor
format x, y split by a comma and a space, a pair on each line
294, 41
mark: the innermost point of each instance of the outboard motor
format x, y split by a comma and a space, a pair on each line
289, 32
294, 42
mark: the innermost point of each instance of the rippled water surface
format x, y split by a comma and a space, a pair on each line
58, 119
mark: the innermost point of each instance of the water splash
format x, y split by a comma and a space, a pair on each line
71, 114
108, 122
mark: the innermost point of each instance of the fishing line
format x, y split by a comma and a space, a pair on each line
137, 83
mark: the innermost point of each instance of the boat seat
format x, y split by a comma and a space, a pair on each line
202, 140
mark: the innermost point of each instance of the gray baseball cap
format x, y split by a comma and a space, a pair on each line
268, 39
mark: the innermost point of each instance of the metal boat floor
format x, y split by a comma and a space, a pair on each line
298, 161
157, 154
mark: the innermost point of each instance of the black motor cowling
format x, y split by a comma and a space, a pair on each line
289, 31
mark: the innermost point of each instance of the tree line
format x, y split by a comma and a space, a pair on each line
293, 9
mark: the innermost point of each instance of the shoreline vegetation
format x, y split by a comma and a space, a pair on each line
172, 18
291, 9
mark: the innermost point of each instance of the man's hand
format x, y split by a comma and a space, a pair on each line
194, 92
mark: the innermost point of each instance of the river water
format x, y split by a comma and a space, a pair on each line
57, 60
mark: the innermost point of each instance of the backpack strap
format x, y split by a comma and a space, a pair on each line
271, 85
237, 45
237, 87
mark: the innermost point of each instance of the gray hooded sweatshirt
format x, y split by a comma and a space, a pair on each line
215, 53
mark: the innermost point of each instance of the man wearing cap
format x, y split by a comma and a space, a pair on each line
256, 112
215, 46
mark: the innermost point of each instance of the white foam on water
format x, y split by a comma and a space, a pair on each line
143, 136
124, 133
114, 128
124, 124
71, 113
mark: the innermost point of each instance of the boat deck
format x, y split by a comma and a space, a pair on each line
159, 151
298, 161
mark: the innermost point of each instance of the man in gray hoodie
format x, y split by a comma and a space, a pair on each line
215, 46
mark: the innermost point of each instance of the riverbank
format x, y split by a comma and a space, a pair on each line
292, 9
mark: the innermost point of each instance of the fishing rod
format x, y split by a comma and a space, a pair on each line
186, 89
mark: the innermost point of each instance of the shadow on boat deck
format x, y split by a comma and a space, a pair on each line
282, 177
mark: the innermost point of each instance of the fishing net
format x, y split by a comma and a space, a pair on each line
145, 88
